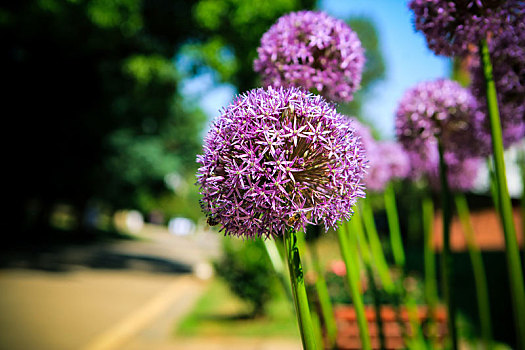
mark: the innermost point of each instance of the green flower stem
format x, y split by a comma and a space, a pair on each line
327, 309
364, 248
512, 250
446, 257
378, 257
393, 225
348, 246
357, 229
377, 306
417, 341
302, 308
429, 261
277, 263
302, 245
521, 163
479, 270
316, 323
493, 183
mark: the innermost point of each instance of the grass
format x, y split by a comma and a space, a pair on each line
220, 313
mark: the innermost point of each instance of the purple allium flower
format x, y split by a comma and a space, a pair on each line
443, 109
455, 27
507, 53
461, 174
314, 51
387, 159
279, 158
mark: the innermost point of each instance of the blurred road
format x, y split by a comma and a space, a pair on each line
100, 296
126, 295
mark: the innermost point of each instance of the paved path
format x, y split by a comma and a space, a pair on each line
97, 297
122, 296
91, 310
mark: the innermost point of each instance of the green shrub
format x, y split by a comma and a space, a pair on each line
247, 270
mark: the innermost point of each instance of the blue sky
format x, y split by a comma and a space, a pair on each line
407, 59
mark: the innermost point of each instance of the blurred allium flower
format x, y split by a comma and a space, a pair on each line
279, 158
387, 159
455, 27
508, 59
312, 50
443, 109
461, 174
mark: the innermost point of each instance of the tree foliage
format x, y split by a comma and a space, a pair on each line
93, 92
374, 66
94, 100
229, 32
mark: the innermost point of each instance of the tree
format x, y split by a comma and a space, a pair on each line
229, 32
93, 100
374, 66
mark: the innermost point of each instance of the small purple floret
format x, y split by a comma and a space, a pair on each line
280, 158
314, 51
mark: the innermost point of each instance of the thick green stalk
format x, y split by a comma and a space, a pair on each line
521, 163
493, 183
512, 250
479, 271
316, 323
302, 245
357, 229
429, 262
302, 308
393, 225
277, 263
446, 256
377, 306
417, 341
378, 257
368, 261
348, 246
327, 309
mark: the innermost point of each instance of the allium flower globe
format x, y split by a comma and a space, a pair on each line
387, 160
507, 53
455, 27
314, 51
461, 174
443, 109
279, 158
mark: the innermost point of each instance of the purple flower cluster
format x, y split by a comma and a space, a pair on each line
387, 159
279, 158
455, 27
443, 109
314, 51
461, 174
507, 53
390, 162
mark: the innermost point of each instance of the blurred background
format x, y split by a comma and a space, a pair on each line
106, 105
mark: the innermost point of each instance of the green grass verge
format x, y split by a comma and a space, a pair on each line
220, 313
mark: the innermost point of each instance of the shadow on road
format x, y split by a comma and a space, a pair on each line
65, 259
